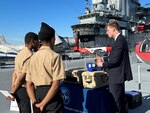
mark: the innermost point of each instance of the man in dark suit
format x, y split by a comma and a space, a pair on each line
119, 69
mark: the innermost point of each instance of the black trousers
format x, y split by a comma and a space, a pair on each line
118, 93
23, 100
55, 105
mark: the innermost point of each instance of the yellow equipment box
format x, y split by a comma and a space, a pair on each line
74, 75
94, 79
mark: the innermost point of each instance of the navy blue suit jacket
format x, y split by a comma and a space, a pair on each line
119, 68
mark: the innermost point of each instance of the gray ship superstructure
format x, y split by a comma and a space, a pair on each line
91, 27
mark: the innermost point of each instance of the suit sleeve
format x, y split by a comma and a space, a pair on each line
116, 55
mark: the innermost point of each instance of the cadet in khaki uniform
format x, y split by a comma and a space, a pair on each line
18, 76
45, 72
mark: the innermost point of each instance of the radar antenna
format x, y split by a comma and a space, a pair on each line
87, 8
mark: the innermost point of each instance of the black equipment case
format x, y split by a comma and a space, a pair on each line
134, 98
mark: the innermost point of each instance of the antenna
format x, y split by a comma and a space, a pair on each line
87, 7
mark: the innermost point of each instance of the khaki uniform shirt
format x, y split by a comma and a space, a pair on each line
45, 66
21, 61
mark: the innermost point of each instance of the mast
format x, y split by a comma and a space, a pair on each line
87, 7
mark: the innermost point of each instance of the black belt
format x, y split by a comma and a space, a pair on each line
44, 86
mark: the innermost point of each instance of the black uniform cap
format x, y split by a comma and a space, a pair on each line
46, 32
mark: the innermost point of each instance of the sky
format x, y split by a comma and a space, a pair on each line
17, 17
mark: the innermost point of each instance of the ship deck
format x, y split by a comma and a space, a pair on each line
5, 83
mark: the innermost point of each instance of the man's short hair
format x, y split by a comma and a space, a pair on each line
113, 24
30, 36
46, 32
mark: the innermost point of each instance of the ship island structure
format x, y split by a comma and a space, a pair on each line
128, 13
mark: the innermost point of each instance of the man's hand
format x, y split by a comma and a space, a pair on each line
99, 61
11, 98
35, 108
40, 106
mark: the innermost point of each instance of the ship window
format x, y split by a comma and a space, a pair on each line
145, 47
